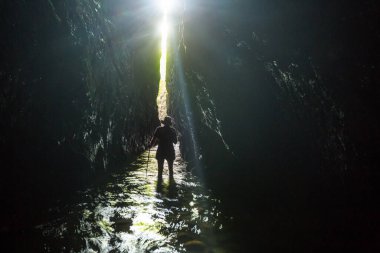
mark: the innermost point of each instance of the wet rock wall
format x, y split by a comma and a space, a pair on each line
77, 96
290, 121
288, 135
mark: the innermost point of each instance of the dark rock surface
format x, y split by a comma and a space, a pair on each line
77, 97
282, 98
276, 104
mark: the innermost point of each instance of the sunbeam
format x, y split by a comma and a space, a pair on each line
162, 91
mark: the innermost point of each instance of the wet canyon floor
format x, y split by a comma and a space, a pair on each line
132, 212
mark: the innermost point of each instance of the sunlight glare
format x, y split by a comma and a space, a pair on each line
162, 92
166, 5
164, 40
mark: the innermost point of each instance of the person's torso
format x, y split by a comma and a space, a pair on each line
165, 137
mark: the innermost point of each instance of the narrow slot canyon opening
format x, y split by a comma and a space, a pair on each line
274, 104
162, 89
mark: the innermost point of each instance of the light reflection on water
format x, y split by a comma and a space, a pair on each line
134, 214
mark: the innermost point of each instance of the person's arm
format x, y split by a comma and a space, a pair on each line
153, 142
175, 139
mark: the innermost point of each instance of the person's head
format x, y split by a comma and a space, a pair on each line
167, 121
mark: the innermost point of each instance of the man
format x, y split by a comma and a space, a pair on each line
165, 136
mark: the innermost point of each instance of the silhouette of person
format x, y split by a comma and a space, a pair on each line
166, 136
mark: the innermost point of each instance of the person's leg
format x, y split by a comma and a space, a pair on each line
170, 165
160, 163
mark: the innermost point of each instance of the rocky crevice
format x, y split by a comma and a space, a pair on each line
73, 103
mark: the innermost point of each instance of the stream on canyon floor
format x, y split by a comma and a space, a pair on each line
130, 213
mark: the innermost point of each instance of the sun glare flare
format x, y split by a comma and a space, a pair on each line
166, 5
162, 91
164, 45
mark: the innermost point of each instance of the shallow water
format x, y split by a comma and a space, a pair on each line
132, 213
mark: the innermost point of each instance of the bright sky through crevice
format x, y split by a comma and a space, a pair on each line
162, 92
